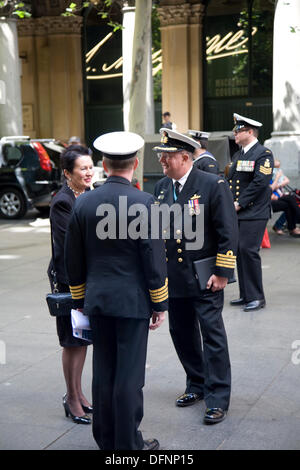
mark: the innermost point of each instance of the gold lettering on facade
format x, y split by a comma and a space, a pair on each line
156, 60
217, 47
230, 44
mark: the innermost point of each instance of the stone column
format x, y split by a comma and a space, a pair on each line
181, 32
127, 47
52, 78
175, 61
196, 67
10, 81
285, 140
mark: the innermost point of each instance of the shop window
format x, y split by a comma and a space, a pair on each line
238, 48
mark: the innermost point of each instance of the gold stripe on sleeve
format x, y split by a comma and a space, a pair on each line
154, 291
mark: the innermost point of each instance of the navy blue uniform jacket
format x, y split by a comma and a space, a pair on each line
220, 230
60, 213
114, 277
249, 179
207, 162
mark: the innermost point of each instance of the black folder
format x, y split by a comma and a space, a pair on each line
204, 268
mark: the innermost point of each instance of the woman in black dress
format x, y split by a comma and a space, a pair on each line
77, 166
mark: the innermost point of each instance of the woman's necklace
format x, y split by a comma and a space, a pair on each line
76, 193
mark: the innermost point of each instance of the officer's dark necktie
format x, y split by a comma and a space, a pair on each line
176, 189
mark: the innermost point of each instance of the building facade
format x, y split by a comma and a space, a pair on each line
217, 58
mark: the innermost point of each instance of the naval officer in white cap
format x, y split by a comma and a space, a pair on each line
249, 179
120, 283
203, 159
207, 368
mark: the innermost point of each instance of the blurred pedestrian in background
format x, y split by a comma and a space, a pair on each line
167, 121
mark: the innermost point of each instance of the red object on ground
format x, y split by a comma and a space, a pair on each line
266, 241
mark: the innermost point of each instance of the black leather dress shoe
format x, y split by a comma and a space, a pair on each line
214, 415
188, 399
151, 444
240, 301
254, 305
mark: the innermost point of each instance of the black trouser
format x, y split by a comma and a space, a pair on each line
119, 359
208, 370
289, 206
251, 233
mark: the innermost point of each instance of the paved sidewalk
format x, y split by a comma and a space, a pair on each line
265, 404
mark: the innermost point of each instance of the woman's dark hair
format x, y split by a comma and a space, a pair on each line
70, 155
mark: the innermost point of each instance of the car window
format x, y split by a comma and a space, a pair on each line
30, 156
12, 155
54, 151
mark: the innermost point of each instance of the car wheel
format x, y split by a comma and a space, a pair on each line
12, 204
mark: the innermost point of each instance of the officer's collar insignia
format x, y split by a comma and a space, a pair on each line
196, 196
267, 163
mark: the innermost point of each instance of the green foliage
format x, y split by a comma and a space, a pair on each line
103, 10
10, 8
156, 44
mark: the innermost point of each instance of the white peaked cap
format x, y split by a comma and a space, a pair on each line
199, 134
120, 145
238, 119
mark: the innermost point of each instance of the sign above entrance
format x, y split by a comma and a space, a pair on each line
217, 47
111, 71
230, 44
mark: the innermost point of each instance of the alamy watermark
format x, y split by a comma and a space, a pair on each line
139, 221
296, 353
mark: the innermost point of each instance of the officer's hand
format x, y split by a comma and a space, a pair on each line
237, 206
216, 283
157, 319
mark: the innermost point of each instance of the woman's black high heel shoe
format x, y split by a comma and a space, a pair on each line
87, 409
77, 419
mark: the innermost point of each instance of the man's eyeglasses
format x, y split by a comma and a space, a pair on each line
166, 155
238, 131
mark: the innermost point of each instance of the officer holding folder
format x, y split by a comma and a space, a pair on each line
190, 306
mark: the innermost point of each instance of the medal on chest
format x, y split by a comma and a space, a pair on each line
245, 165
194, 206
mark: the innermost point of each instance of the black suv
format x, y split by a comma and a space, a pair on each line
29, 174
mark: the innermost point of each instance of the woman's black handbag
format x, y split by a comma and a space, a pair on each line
59, 303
